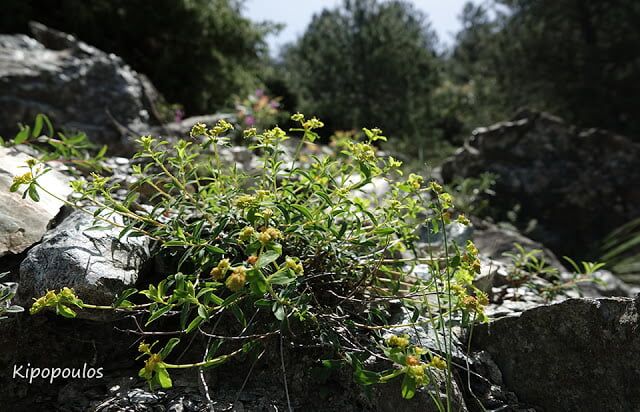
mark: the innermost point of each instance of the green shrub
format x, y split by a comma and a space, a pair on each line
293, 251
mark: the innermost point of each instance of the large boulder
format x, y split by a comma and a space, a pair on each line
94, 261
23, 222
578, 355
78, 86
578, 184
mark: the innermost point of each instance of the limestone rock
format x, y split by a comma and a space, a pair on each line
23, 222
78, 86
577, 184
580, 354
94, 262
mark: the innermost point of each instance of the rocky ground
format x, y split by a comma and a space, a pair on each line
575, 351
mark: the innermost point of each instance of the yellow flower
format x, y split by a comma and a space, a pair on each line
198, 129
220, 127
250, 132
398, 341
313, 123
293, 265
244, 201
416, 371
438, 363
236, 281
264, 238
274, 233
151, 362
462, 219
246, 233
42, 302
224, 264
415, 181
435, 187
22, 179
144, 347
217, 274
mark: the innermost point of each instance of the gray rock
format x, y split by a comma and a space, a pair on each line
578, 355
23, 222
493, 241
577, 184
94, 262
78, 86
182, 128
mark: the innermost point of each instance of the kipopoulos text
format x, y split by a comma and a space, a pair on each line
33, 373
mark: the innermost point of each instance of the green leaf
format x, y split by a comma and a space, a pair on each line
166, 351
281, 277
303, 210
14, 309
408, 387
33, 193
262, 303
203, 313
101, 152
22, 135
50, 131
279, 312
194, 324
366, 171
267, 257
163, 378
257, 282
158, 313
37, 127
14, 187
65, 311
365, 377
214, 249
123, 296
175, 243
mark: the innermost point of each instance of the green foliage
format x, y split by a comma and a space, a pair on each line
293, 251
621, 251
472, 194
576, 59
368, 61
75, 149
529, 263
7, 292
199, 53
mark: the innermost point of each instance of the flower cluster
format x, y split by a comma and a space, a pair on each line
398, 341
60, 301
235, 282
296, 267
269, 234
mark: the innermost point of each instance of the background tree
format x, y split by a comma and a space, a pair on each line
197, 52
579, 59
367, 63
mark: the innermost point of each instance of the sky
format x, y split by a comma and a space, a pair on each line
296, 15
